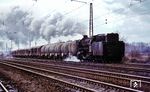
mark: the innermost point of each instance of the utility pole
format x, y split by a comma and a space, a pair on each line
91, 21
90, 17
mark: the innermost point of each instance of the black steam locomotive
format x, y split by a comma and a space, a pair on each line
99, 48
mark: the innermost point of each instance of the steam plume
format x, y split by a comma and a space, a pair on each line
20, 26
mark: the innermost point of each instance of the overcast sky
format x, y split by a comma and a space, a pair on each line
130, 18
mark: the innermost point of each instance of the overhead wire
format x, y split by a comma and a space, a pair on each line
54, 10
113, 11
120, 18
69, 12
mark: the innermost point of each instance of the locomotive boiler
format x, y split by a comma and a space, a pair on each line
99, 48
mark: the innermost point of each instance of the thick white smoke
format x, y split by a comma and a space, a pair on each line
20, 26
57, 25
15, 25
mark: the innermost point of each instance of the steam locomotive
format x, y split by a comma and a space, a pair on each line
99, 48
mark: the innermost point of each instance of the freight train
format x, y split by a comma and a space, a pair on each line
99, 48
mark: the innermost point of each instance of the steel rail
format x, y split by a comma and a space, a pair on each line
105, 72
102, 65
138, 65
101, 71
3, 87
108, 84
96, 71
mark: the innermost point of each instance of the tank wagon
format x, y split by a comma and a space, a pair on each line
99, 48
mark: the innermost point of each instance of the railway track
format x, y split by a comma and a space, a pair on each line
110, 77
135, 69
81, 87
138, 65
105, 76
134, 65
3, 88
